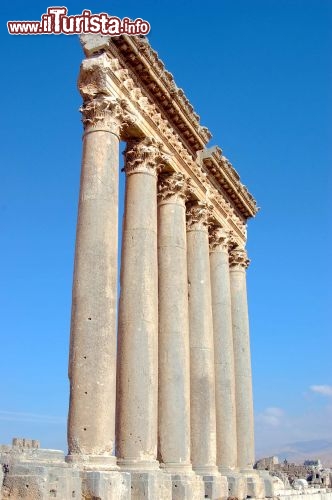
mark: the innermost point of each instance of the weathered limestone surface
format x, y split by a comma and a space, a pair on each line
174, 374
137, 410
174, 370
106, 485
223, 351
202, 383
202, 378
36, 474
149, 485
92, 364
243, 383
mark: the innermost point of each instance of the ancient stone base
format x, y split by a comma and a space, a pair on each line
32, 473
106, 485
255, 486
150, 485
34, 482
215, 487
187, 486
236, 484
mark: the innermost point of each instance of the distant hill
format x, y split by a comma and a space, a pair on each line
301, 450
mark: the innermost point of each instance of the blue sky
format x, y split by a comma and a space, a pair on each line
259, 74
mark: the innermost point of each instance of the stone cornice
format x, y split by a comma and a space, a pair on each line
144, 61
227, 177
114, 77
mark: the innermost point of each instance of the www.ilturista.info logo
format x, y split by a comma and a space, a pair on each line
56, 22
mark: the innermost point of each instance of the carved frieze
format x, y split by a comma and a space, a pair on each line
122, 67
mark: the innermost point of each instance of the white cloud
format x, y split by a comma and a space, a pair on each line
12, 416
275, 429
325, 390
271, 416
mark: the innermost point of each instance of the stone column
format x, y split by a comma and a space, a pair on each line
92, 363
243, 382
174, 369
202, 380
137, 388
223, 350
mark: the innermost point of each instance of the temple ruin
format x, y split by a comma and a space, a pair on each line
175, 402
160, 387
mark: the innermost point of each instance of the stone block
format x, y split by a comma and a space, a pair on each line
215, 487
64, 483
35, 482
255, 486
50, 456
94, 43
24, 483
237, 485
106, 485
151, 485
187, 486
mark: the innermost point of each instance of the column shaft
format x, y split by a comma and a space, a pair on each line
223, 351
243, 379
202, 384
92, 363
174, 374
138, 312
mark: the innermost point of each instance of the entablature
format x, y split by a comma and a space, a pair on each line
107, 71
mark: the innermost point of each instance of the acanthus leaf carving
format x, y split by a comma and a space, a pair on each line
220, 239
198, 215
145, 156
238, 258
174, 186
107, 112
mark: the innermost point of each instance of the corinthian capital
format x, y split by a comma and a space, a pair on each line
198, 214
101, 109
102, 112
145, 156
220, 239
173, 186
238, 259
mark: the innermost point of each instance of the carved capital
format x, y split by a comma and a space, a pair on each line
102, 110
144, 156
220, 239
198, 214
238, 259
175, 186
